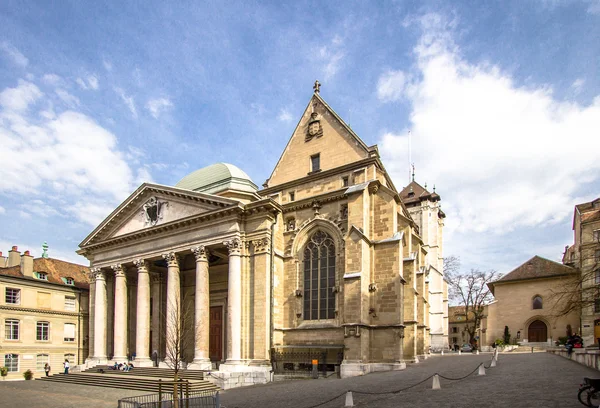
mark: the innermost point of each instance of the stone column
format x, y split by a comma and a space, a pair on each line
202, 308
120, 332
91, 318
173, 313
142, 339
100, 316
157, 326
234, 303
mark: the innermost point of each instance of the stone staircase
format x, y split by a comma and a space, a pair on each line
140, 378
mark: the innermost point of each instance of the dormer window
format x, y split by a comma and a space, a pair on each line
42, 275
345, 181
68, 281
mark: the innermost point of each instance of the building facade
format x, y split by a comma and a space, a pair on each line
584, 255
424, 209
525, 301
44, 313
325, 257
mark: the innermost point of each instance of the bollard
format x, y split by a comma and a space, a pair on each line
481, 369
436, 383
477, 352
315, 369
349, 400
459, 352
493, 362
442, 352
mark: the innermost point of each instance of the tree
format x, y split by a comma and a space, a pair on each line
470, 290
581, 290
179, 338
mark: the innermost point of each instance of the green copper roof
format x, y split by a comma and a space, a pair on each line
216, 178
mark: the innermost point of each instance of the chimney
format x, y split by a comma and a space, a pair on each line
2, 260
13, 257
27, 264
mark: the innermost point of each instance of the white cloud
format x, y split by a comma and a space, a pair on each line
502, 155
331, 56
2, 210
14, 54
71, 100
594, 7
158, 105
64, 154
128, 100
390, 86
40, 209
51, 79
577, 85
21, 97
25, 215
107, 65
284, 115
90, 82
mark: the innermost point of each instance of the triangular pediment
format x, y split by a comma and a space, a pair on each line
320, 131
153, 205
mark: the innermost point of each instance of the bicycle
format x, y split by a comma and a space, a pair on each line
590, 391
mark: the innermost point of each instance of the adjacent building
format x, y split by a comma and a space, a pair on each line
526, 302
324, 260
44, 312
584, 255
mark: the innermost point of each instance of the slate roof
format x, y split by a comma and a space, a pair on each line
415, 193
536, 268
56, 269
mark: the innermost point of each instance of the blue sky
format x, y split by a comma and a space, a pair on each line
502, 99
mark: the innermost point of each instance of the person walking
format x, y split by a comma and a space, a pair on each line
47, 369
66, 365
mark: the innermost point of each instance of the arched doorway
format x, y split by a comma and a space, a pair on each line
538, 332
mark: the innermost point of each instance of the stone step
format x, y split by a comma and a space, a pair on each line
151, 372
131, 382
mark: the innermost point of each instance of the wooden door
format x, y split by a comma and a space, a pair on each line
596, 331
216, 333
538, 332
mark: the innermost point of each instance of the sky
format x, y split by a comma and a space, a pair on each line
502, 101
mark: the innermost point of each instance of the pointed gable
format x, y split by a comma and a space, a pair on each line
415, 193
321, 132
537, 268
151, 205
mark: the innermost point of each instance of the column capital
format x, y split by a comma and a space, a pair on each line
156, 278
118, 269
262, 245
201, 253
98, 274
171, 258
234, 246
141, 265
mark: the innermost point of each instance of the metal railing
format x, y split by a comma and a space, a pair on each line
187, 397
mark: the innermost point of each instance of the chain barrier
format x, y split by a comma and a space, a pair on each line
401, 389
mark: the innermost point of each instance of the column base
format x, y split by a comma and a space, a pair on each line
353, 368
200, 364
142, 362
119, 359
239, 374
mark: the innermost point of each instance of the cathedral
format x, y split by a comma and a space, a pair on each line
328, 261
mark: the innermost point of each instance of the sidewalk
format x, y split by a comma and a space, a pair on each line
519, 380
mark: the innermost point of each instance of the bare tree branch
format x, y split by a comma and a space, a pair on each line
469, 290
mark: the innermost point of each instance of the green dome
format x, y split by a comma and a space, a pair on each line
217, 178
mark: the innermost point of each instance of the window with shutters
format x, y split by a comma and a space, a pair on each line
319, 277
70, 303
69, 332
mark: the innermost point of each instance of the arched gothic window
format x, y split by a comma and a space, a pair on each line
319, 277
537, 302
